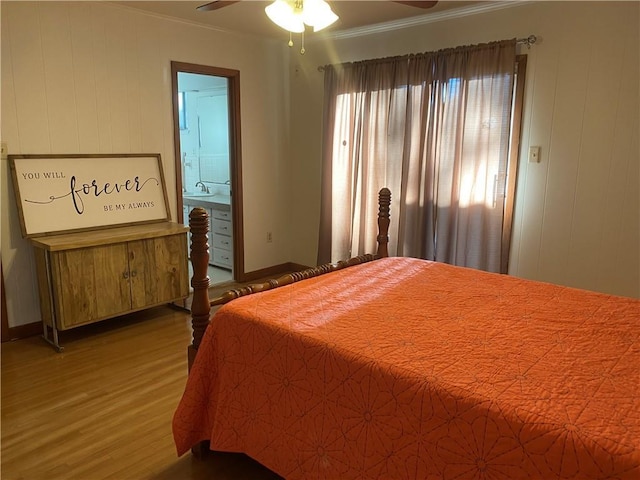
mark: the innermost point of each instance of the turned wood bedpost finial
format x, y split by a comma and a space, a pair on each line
200, 307
384, 202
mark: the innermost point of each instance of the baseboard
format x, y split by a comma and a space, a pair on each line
23, 331
296, 267
272, 272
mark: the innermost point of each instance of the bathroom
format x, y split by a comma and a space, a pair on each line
204, 151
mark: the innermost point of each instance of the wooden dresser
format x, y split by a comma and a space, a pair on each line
103, 241
84, 277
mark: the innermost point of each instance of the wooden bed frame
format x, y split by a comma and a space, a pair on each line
341, 384
201, 305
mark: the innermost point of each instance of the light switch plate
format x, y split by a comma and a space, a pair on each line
534, 154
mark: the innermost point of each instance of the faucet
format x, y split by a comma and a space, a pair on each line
203, 187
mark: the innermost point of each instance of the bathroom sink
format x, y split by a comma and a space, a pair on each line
222, 199
210, 200
196, 194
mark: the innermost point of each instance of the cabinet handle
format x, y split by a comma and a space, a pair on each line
125, 275
134, 273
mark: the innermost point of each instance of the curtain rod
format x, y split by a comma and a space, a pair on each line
528, 41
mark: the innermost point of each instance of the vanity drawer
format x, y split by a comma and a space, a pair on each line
221, 214
222, 258
221, 241
220, 226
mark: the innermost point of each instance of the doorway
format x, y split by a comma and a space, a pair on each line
206, 112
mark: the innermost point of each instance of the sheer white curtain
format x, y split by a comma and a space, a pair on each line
435, 129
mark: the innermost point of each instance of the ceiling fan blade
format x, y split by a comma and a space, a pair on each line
419, 4
207, 7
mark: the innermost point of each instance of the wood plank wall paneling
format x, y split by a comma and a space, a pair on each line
586, 240
55, 40
563, 155
94, 77
577, 211
602, 106
26, 58
621, 227
577, 216
84, 72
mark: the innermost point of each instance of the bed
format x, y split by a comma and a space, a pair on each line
398, 368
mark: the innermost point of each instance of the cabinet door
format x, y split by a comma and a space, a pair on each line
90, 284
158, 270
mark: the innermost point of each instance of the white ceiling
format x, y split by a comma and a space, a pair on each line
248, 17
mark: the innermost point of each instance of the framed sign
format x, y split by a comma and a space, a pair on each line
63, 193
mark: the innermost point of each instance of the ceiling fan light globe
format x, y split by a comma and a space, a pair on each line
311, 9
284, 15
318, 14
326, 18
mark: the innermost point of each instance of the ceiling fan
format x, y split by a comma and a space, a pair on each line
293, 15
217, 4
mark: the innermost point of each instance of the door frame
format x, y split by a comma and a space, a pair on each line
235, 152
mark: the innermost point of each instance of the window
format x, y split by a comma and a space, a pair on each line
182, 111
437, 130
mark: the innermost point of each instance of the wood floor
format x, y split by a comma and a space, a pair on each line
103, 408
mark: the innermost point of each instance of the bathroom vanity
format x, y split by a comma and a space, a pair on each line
220, 227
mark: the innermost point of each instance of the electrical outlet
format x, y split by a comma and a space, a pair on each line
269, 237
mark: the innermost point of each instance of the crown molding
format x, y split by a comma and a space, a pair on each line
422, 19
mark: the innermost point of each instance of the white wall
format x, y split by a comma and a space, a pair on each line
89, 77
578, 211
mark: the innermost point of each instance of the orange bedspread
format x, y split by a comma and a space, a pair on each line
403, 368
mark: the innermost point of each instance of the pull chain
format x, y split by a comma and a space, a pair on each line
302, 50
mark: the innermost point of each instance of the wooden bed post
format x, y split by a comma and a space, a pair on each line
384, 201
200, 306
